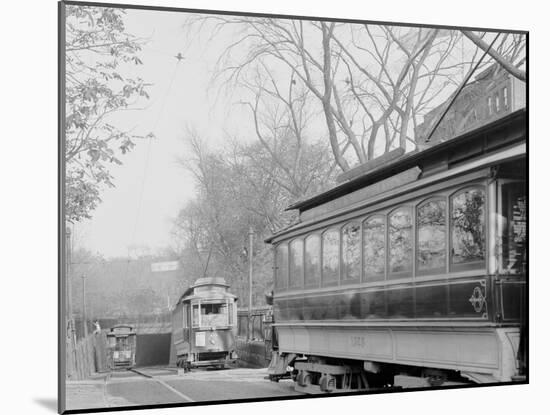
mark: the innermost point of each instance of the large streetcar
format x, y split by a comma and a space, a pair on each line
412, 273
204, 325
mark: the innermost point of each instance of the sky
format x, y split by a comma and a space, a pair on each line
151, 185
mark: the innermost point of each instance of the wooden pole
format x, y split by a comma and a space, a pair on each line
250, 256
84, 318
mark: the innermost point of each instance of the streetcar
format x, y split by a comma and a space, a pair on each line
410, 273
204, 325
121, 347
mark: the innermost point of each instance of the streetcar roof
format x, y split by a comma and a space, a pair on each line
406, 161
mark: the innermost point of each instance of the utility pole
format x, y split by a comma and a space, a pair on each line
67, 278
250, 255
84, 306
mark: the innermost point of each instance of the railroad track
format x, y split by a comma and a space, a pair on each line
161, 382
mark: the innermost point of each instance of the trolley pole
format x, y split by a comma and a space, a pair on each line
84, 306
250, 255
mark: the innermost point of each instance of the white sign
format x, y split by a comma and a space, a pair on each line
200, 339
165, 266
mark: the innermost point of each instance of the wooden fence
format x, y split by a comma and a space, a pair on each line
87, 356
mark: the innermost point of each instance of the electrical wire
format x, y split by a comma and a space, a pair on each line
146, 165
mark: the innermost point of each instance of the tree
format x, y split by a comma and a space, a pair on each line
371, 84
97, 52
510, 56
240, 187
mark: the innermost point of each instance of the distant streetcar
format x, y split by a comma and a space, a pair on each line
204, 325
410, 273
121, 346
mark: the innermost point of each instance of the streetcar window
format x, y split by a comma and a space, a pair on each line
195, 315
296, 263
468, 227
331, 256
400, 238
214, 315
351, 252
432, 236
281, 274
374, 248
313, 260
513, 228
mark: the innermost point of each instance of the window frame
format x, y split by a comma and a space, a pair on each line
384, 218
320, 256
285, 287
336, 282
445, 268
472, 265
409, 274
505, 97
302, 276
501, 182
358, 278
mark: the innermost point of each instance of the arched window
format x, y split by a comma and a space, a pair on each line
431, 247
468, 227
296, 263
313, 261
281, 274
351, 252
374, 248
331, 256
401, 242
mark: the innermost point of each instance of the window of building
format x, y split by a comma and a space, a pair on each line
468, 227
505, 97
374, 248
351, 252
489, 106
497, 103
296, 263
313, 261
432, 236
331, 256
281, 274
401, 241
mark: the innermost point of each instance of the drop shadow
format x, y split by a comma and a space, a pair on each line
48, 403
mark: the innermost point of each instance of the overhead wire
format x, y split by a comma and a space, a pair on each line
147, 161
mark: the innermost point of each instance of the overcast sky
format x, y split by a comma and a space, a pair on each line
151, 185
179, 98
